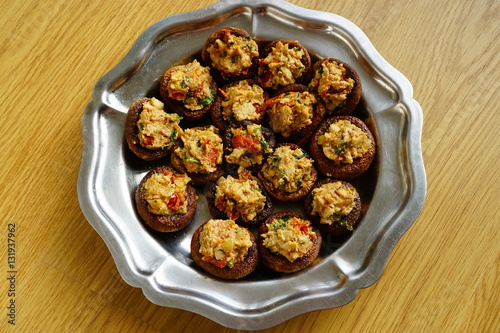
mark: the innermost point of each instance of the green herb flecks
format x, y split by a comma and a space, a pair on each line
275, 161
262, 140
280, 223
345, 224
173, 137
304, 154
341, 148
192, 160
206, 101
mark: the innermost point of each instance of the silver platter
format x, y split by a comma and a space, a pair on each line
393, 190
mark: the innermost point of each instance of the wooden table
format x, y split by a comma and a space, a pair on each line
443, 275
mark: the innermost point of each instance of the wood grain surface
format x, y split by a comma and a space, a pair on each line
443, 275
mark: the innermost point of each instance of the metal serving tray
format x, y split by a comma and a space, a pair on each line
393, 190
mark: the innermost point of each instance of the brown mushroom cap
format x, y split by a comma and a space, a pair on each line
302, 136
281, 194
353, 98
334, 229
218, 214
177, 106
216, 110
280, 263
197, 178
342, 171
219, 75
131, 131
165, 223
227, 140
237, 271
306, 57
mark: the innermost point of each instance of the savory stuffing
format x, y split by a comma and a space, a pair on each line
332, 202
190, 83
165, 193
344, 141
287, 168
233, 54
202, 149
243, 101
281, 66
223, 243
248, 146
156, 128
239, 198
331, 83
290, 237
290, 112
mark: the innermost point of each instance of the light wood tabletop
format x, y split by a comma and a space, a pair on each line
57, 274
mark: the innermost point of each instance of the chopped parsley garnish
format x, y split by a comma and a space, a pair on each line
345, 224
341, 147
263, 142
304, 154
173, 135
192, 160
208, 100
281, 222
275, 161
